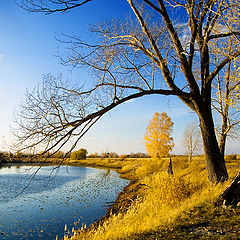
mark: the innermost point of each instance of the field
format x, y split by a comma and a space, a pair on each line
160, 206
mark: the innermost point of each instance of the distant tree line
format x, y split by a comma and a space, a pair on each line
82, 153
19, 157
6, 157
115, 155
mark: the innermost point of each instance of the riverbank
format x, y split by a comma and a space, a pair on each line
158, 206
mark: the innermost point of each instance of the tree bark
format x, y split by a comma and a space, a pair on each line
170, 169
215, 163
190, 158
222, 144
231, 195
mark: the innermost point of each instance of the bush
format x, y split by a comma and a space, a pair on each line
109, 155
18, 155
94, 155
79, 155
231, 157
123, 156
3, 158
138, 155
59, 155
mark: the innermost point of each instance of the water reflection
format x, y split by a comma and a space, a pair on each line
49, 203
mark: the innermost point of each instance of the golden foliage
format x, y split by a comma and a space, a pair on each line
158, 138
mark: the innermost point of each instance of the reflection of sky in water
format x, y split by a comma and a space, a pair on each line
49, 203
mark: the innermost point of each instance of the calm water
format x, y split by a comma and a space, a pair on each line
69, 195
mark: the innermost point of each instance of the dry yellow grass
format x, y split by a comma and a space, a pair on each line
163, 200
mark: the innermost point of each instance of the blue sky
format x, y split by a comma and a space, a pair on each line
27, 50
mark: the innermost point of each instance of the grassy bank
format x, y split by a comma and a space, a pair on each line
159, 206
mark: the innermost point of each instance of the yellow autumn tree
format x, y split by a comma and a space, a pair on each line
158, 138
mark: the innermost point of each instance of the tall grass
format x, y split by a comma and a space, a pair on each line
163, 201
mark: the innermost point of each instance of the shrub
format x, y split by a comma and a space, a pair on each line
231, 157
123, 156
79, 155
109, 155
18, 155
59, 155
94, 155
3, 158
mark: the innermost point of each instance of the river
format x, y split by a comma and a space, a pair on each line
44, 206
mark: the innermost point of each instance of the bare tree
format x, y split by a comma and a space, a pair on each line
226, 94
152, 54
226, 104
192, 139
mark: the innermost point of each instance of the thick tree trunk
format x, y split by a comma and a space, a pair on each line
222, 143
215, 163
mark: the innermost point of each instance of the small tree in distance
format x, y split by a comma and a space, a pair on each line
79, 155
158, 138
192, 139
